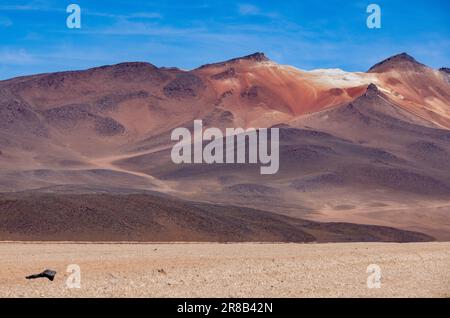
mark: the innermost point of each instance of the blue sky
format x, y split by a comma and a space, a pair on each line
307, 34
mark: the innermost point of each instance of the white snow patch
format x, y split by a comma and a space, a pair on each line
338, 78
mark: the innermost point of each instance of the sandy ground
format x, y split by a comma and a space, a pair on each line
227, 270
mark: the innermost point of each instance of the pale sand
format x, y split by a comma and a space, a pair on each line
227, 270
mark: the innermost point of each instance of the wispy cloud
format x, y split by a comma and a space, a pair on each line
252, 10
16, 57
34, 5
146, 15
127, 27
134, 15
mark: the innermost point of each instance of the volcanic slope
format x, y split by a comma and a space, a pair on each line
364, 147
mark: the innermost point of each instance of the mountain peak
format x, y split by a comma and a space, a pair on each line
128, 66
403, 56
372, 88
399, 61
371, 91
445, 70
256, 57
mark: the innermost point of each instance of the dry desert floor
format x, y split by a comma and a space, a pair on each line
226, 270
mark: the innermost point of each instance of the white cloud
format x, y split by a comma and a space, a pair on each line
34, 5
252, 10
16, 57
143, 15
126, 27
146, 15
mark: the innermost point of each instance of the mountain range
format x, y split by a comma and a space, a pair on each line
364, 156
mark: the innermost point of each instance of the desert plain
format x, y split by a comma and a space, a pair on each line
226, 270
